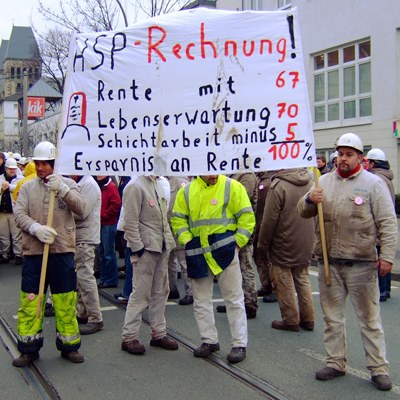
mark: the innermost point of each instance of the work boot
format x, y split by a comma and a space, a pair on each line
82, 320
382, 382
307, 325
271, 298
237, 354
263, 292
174, 295
19, 260
221, 309
165, 343
25, 359
121, 298
186, 300
205, 349
133, 347
251, 312
91, 327
73, 356
328, 373
281, 325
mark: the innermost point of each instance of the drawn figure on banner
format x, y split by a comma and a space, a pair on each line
77, 115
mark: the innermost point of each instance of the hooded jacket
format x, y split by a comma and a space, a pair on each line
30, 173
284, 237
387, 176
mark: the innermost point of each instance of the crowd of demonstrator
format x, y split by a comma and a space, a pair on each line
208, 229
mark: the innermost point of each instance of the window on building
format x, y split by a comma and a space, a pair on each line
256, 5
12, 72
342, 84
18, 73
284, 3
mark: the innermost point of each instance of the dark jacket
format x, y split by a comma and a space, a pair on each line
284, 237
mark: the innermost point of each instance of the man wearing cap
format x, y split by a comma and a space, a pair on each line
31, 215
378, 165
8, 182
357, 210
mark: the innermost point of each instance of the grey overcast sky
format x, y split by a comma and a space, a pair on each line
18, 12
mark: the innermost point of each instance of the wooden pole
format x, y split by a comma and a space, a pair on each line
25, 137
45, 256
322, 233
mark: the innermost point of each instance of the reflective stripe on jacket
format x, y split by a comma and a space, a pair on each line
211, 220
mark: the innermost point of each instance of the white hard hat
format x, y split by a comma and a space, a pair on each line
11, 163
350, 140
376, 154
333, 156
44, 151
16, 156
23, 161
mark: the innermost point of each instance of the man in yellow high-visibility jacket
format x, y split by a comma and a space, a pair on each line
213, 218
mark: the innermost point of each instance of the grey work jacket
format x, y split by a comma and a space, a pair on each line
33, 206
357, 211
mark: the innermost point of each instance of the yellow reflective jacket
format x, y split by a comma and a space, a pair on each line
210, 221
30, 173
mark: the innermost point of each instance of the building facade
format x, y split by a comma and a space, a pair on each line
352, 61
18, 54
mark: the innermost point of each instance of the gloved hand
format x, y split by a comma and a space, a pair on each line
44, 233
55, 182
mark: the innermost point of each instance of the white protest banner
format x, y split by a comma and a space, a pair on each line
196, 92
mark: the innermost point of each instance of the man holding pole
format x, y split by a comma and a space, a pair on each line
357, 210
33, 214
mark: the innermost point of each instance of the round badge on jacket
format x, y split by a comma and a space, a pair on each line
358, 200
152, 202
214, 202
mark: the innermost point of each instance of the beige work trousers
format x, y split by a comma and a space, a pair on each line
360, 283
88, 305
7, 228
150, 289
230, 284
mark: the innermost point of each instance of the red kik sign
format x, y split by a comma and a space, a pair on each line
36, 107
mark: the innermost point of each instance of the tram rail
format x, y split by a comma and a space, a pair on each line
43, 389
33, 376
252, 381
